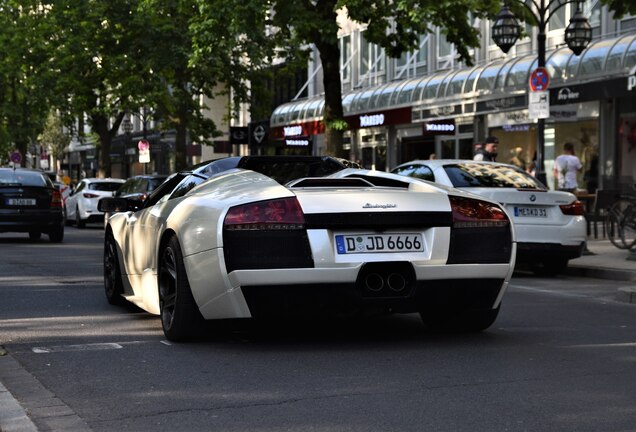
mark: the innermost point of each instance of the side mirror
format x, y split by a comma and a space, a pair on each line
112, 205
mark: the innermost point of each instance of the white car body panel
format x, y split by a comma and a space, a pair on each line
556, 228
197, 221
88, 206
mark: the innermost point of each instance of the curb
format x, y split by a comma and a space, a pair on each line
13, 417
627, 294
601, 273
37, 407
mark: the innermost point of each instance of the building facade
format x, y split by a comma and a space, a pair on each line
429, 103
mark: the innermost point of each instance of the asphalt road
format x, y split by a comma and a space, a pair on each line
561, 357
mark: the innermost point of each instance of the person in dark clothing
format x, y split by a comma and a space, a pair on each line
489, 151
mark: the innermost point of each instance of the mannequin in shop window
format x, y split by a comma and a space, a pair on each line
489, 151
517, 158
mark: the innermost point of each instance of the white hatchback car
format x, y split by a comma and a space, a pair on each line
550, 225
81, 205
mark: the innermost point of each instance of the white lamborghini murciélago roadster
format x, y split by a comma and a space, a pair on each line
261, 236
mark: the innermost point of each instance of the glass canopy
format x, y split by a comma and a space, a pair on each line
602, 59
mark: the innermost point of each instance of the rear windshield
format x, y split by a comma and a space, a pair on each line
104, 186
485, 175
22, 178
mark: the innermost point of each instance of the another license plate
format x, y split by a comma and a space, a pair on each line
378, 243
530, 212
21, 201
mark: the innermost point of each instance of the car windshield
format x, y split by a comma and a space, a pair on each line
21, 178
465, 175
104, 186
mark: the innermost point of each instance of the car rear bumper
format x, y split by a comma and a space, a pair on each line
398, 286
532, 252
25, 221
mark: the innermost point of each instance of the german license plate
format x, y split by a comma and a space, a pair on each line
20, 201
378, 243
530, 212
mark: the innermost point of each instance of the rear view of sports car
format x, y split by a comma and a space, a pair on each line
280, 236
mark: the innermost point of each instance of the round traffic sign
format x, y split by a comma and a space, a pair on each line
143, 145
539, 79
16, 157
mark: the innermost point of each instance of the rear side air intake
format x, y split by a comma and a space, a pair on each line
480, 233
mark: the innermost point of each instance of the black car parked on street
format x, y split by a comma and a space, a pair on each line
30, 203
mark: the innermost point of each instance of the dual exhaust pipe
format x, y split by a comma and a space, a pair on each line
386, 279
376, 282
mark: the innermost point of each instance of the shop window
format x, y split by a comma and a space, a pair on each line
371, 57
628, 23
345, 58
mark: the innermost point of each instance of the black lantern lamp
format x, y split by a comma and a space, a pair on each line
578, 33
506, 29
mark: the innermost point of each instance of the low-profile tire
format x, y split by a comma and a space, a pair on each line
466, 320
79, 222
34, 235
113, 285
180, 316
56, 235
550, 267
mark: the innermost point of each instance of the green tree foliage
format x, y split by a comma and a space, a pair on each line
23, 75
96, 64
53, 136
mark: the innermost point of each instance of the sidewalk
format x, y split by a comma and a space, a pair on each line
605, 261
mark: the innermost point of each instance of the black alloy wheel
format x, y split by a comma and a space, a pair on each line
113, 285
180, 316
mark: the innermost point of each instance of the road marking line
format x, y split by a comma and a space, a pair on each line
84, 347
165, 342
614, 345
547, 291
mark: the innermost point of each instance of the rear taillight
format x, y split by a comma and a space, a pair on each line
472, 213
574, 209
56, 199
89, 195
278, 214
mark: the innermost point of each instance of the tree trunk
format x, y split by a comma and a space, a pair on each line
330, 59
100, 126
181, 161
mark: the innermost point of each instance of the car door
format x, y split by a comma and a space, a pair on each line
71, 201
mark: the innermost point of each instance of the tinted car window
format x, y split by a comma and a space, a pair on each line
186, 185
418, 171
104, 186
23, 178
486, 175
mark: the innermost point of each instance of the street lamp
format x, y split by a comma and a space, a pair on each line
127, 126
506, 31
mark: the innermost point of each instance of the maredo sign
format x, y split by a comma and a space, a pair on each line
358, 121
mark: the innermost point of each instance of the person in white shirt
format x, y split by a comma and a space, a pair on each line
566, 166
